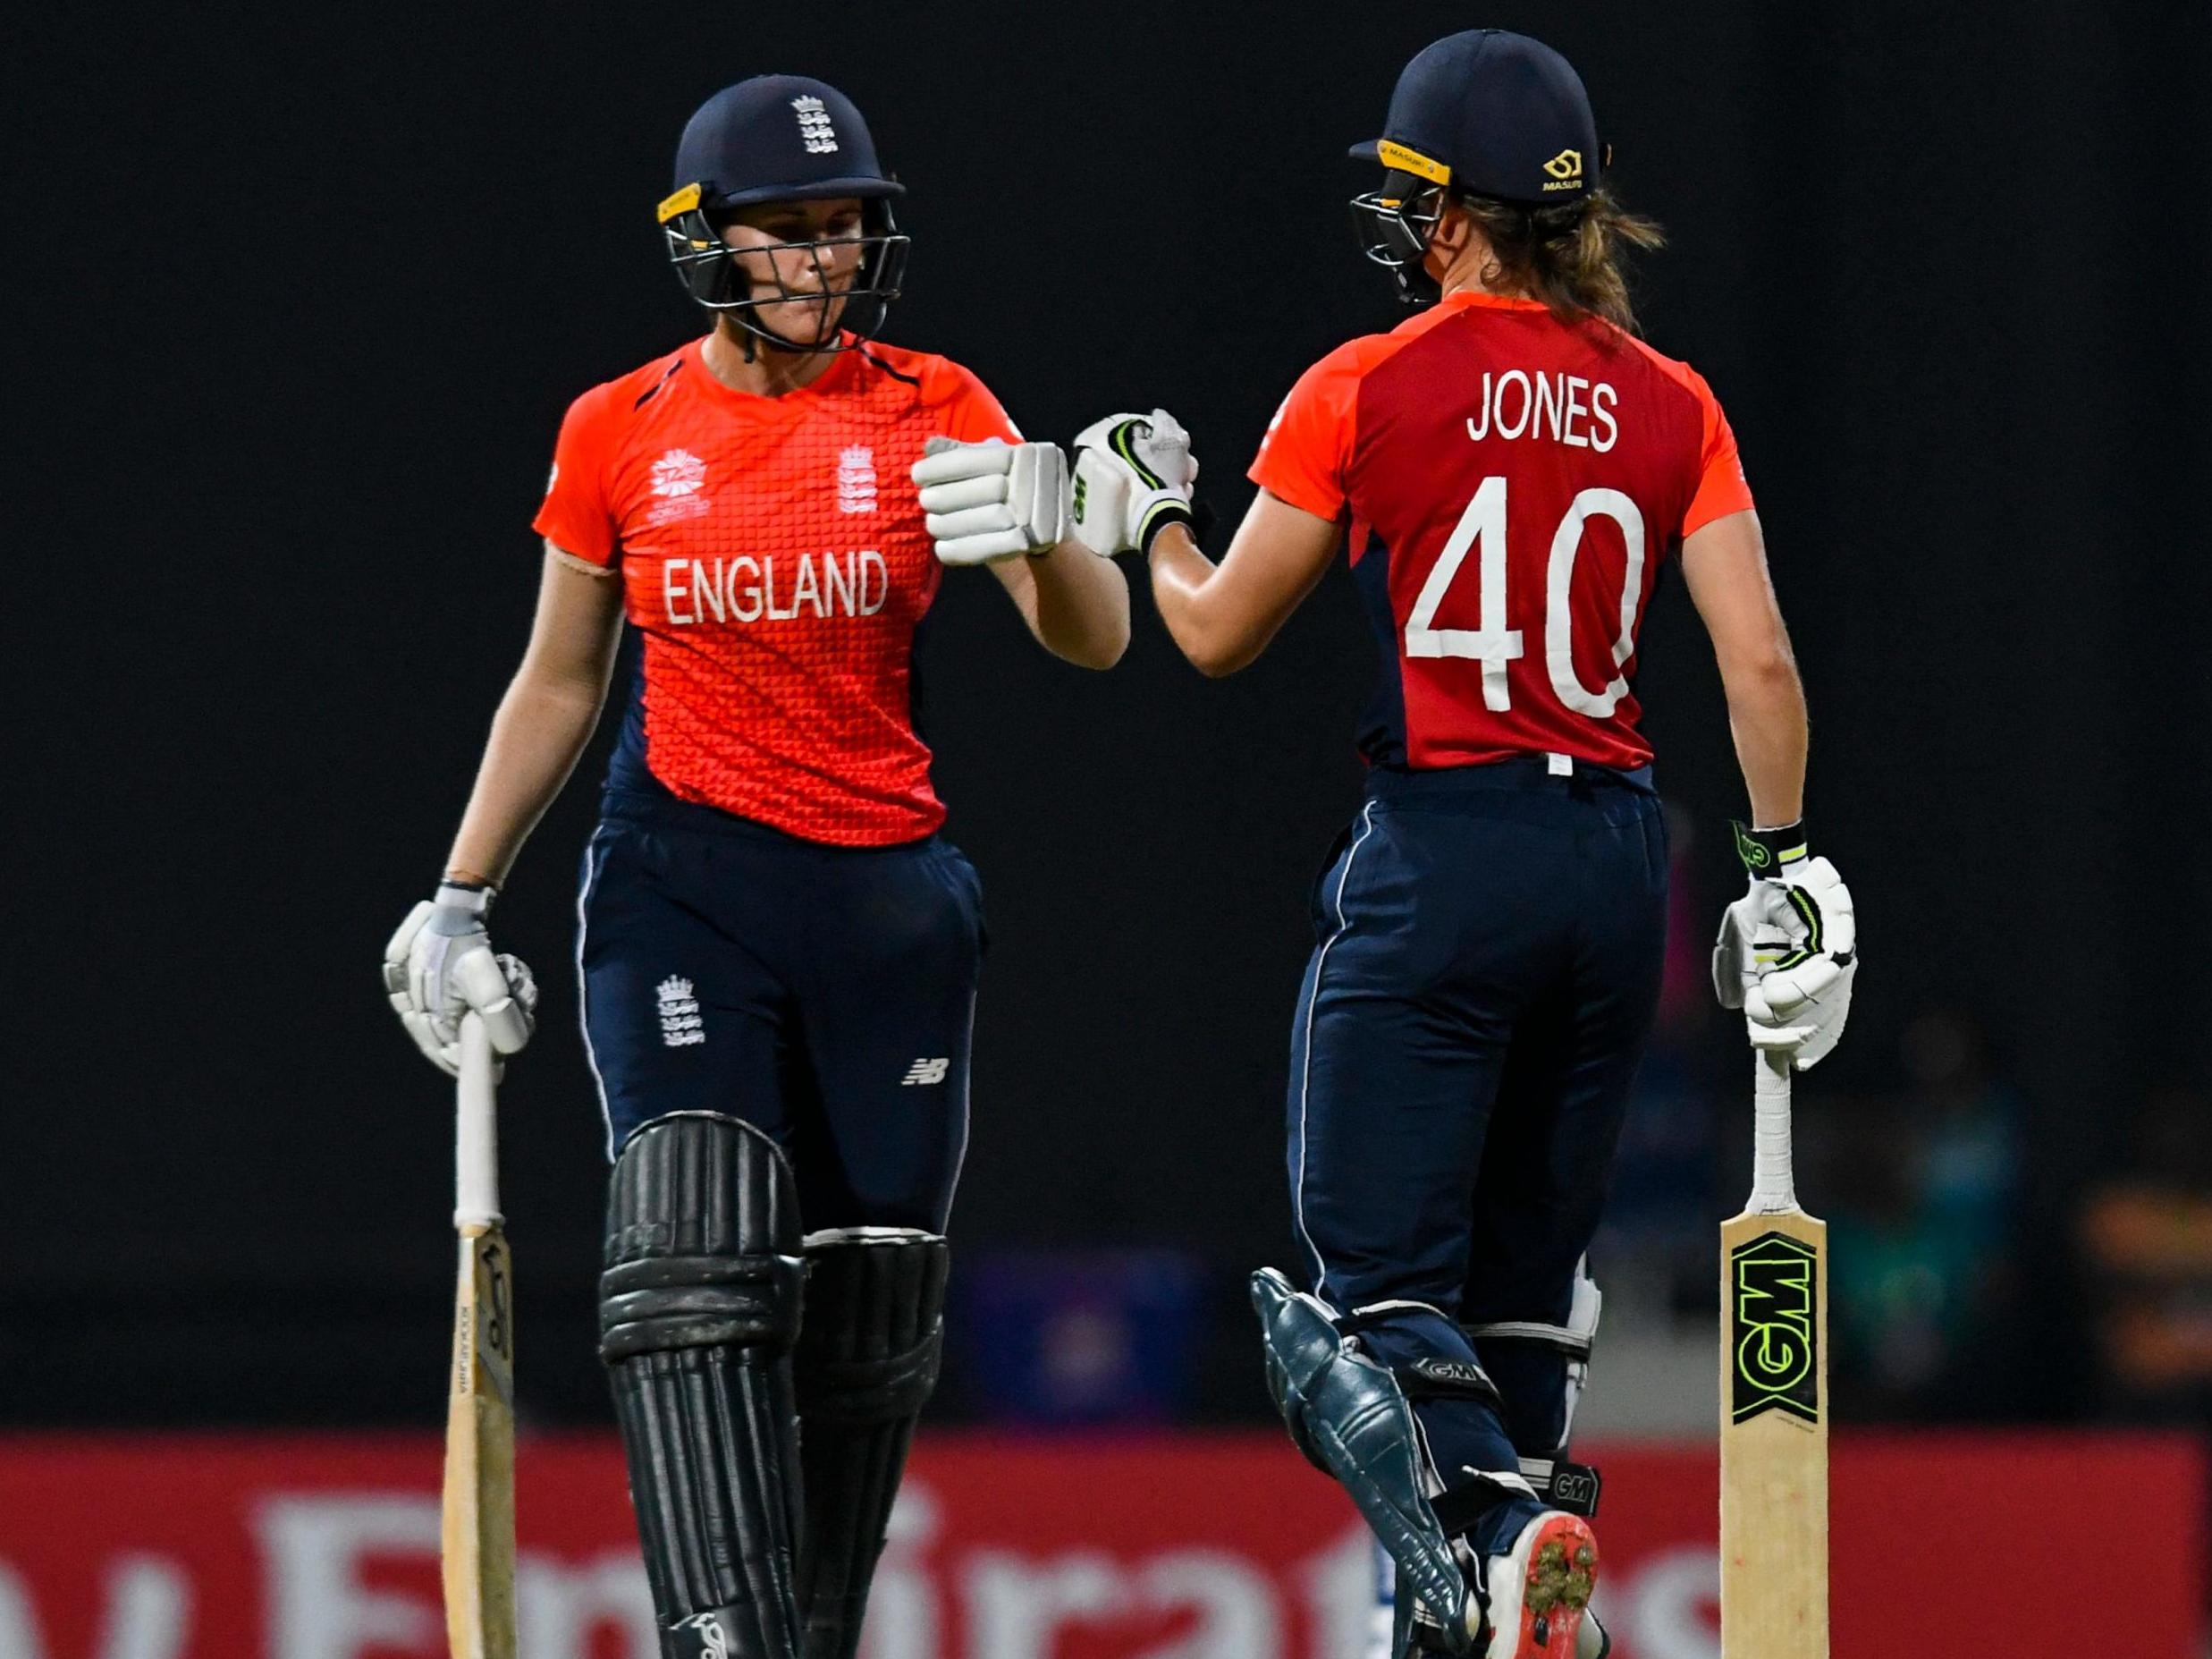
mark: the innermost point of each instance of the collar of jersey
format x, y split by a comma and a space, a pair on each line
840, 368
1495, 301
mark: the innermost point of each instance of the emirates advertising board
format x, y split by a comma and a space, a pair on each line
1158, 1547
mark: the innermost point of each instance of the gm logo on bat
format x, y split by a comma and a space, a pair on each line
1776, 1280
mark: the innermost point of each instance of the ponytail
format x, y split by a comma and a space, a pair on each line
1569, 257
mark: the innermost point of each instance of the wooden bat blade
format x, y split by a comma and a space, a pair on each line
1774, 1412
479, 1500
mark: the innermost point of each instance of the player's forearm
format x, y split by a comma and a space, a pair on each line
542, 725
1725, 564
1204, 630
1767, 715
1081, 606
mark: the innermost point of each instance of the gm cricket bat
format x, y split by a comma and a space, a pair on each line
1774, 1402
479, 1521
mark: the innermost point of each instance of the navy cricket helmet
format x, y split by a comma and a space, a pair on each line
783, 137
1485, 113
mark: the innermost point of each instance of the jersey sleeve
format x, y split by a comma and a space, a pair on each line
1308, 446
1721, 485
964, 406
577, 515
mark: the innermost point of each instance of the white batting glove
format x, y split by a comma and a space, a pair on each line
1789, 948
1133, 475
991, 501
440, 966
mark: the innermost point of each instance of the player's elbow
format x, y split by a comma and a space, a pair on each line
1766, 693
1218, 659
1215, 643
566, 684
1100, 654
1096, 642
1114, 637
1760, 667
1768, 673
1215, 637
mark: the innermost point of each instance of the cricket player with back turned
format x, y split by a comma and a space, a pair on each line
777, 951
1508, 469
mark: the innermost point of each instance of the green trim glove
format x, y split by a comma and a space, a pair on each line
1788, 949
1133, 475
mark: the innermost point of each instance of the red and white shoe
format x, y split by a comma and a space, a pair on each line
1539, 1591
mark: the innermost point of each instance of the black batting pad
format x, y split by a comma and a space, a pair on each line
867, 1360
699, 1307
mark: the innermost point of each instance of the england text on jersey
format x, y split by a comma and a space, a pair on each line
776, 563
744, 589
1511, 486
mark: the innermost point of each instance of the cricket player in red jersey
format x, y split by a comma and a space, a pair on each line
777, 951
1508, 469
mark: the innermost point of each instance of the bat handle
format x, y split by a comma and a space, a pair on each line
1774, 1185
475, 1137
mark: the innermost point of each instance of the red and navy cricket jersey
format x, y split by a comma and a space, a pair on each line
1513, 485
775, 561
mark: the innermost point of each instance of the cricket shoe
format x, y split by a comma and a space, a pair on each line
1591, 1642
1426, 1637
1539, 1593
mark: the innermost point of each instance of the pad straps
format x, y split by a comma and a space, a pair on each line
1562, 1484
1575, 1344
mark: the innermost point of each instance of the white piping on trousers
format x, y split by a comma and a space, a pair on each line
1305, 1065
594, 861
968, 1118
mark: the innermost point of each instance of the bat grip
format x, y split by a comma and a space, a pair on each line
475, 1133
1774, 1185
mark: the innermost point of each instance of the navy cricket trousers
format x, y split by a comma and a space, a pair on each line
825, 995
1489, 942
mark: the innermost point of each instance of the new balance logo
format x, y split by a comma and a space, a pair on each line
680, 1025
926, 1072
813, 126
855, 480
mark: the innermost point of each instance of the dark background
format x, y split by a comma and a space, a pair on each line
308, 292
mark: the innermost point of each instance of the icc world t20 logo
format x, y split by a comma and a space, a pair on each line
1774, 1281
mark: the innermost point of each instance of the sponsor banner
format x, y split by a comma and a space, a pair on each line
1163, 1547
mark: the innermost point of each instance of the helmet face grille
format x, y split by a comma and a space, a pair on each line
848, 310
1394, 224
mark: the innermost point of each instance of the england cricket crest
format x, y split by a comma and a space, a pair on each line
1773, 1284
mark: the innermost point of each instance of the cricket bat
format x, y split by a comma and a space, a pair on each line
478, 1537
1774, 1402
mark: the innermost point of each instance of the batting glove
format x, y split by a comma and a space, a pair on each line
1789, 948
991, 501
1133, 475
440, 966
